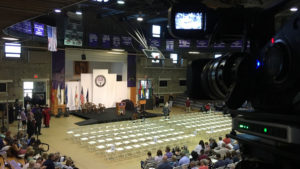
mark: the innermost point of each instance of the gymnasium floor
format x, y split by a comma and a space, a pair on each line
59, 141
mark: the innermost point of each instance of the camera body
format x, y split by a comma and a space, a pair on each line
267, 75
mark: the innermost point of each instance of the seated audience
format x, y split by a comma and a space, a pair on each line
220, 162
185, 150
227, 140
203, 164
165, 164
207, 148
202, 155
220, 142
15, 150
222, 151
158, 157
194, 155
169, 154
184, 159
29, 155
49, 163
193, 165
177, 153
234, 157
228, 159
212, 143
149, 162
236, 145
199, 147
174, 161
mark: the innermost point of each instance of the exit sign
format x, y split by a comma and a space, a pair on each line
35, 76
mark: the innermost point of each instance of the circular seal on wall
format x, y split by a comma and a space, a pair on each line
100, 81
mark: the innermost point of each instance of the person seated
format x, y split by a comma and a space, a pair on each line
227, 140
203, 164
202, 155
15, 150
149, 162
8, 140
174, 161
228, 159
207, 148
29, 156
199, 147
193, 165
234, 156
30, 165
194, 155
222, 151
212, 143
69, 164
220, 142
184, 159
164, 164
158, 157
57, 160
185, 150
49, 163
177, 152
220, 162
169, 154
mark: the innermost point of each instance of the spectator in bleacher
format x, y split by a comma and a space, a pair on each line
38, 163
29, 155
236, 145
50, 162
203, 164
184, 159
187, 105
44, 156
15, 150
158, 156
165, 164
207, 148
220, 142
169, 154
31, 141
200, 147
220, 162
212, 143
228, 159
202, 155
194, 155
57, 160
210, 163
185, 150
227, 140
8, 138
29, 165
174, 161
149, 162
177, 153
234, 157
193, 165
222, 151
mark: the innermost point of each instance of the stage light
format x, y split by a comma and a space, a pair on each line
258, 64
118, 50
294, 9
121, 2
194, 53
78, 13
57, 10
265, 130
140, 19
9, 38
273, 40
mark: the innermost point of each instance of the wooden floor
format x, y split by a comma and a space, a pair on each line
58, 140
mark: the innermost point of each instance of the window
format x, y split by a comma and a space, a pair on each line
3, 87
28, 87
156, 31
13, 50
174, 57
163, 83
182, 82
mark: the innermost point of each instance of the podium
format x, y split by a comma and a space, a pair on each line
120, 106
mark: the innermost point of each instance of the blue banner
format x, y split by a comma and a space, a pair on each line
116, 41
237, 44
155, 42
184, 43
170, 45
219, 45
126, 40
106, 41
202, 43
93, 40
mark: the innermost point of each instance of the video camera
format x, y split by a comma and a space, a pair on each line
267, 75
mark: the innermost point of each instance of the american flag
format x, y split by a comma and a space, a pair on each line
52, 39
81, 97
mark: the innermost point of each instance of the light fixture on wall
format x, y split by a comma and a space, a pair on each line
10, 38
121, 2
57, 10
294, 9
140, 19
78, 13
194, 53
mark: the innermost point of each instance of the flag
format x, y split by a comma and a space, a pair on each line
87, 95
52, 39
66, 95
58, 95
81, 97
76, 98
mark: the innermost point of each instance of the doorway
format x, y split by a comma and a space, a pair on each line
34, 92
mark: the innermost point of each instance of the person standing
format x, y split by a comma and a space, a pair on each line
188, 105
38, 116
166, 110
30, 124
46, 114
28, 108
23, 119
171, 99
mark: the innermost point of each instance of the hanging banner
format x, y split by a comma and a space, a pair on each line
170, 45
155, 42
116, 41
126, 40
237, 44
219, 45
106, 41
184, 43
93, 40
202, 43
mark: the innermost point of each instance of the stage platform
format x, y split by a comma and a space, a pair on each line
109, 115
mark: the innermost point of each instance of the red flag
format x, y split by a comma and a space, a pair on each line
81, 97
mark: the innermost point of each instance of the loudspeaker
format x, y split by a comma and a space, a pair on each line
83, 57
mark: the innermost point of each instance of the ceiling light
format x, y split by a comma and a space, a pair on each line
116, 53
294, 9
140, 19
57, 10
9, 38
118, 50
105, 0
121, 2
78, 13
194, 53
218, 55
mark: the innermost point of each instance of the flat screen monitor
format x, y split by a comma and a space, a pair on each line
189, 21
39, 29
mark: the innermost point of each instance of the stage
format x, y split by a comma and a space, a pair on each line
109, 115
